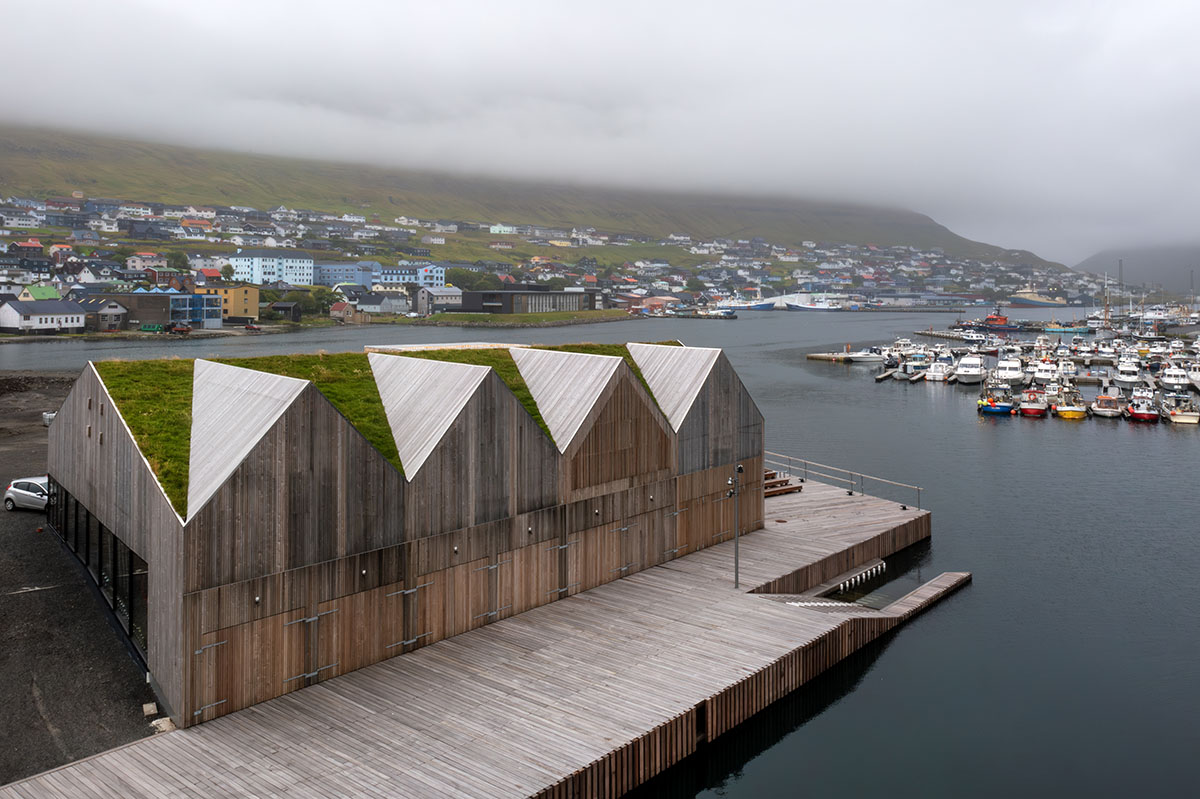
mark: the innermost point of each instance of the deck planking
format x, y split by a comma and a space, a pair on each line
589, 695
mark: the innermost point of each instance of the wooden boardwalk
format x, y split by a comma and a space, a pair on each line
587, 696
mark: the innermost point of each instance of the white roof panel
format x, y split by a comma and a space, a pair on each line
232, 409
675, 375
422, 398
565, 386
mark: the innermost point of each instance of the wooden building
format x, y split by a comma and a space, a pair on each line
297, 551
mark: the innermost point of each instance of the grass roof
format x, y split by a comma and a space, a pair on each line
155, 400
346, 381
499, 359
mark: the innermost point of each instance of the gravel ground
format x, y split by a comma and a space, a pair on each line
68, 686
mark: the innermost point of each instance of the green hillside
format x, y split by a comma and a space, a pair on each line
43, 163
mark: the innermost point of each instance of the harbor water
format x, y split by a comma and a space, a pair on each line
1071, 665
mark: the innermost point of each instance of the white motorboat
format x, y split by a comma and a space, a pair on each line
1044, 372
970, 370
1010, 371
1173, 378
869, 355
1179, 408
1192, 369
1106, 350
1067, 370
1129, 373
939, 371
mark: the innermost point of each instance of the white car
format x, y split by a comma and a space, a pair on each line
27, 492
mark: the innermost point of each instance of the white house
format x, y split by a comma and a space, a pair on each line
17, 219
270, 265
501, 229
41, 316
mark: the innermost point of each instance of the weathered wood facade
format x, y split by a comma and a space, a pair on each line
315, 556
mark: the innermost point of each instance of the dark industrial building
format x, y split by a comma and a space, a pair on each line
528, 299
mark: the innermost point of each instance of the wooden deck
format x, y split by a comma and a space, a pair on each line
587, 696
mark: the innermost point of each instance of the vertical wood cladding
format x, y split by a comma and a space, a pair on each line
723, 425
93, 456
628, 441
312, 489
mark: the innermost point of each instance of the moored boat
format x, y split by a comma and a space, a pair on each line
996, 399
938, 372
1108, 406
1010, 371
1179, 408
1033, 403
1129, 373
1173, 378
1142, 407
970, 370
1045, 371
1070, 405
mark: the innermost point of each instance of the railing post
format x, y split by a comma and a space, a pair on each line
918, 497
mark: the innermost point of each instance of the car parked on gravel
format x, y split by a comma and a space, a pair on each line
27, 492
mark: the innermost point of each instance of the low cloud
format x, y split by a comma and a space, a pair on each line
1062, 128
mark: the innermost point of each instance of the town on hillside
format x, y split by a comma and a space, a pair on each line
79, 264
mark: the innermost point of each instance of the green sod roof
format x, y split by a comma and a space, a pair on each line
346, 381
155, 400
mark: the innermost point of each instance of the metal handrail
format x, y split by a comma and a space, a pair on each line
853, 479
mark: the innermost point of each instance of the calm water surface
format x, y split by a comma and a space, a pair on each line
1070, 666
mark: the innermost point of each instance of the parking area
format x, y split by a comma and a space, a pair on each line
68, 686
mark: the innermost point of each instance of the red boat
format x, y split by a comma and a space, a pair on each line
1141, 409
1034, 403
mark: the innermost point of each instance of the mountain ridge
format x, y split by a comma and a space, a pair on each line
47, 162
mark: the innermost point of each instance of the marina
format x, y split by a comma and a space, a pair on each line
1040, 378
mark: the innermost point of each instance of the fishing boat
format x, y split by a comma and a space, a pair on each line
1129, 373
1070, 405
818, 305
1108, 406
970, 370
996, 399
739, 305
1174, 378
1033, 403
939, 372
1030, 298
1009, 371
1179, 408
912, 363
1142, 407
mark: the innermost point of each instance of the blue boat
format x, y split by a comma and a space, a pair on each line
997, 400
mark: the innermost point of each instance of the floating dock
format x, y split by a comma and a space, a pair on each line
588, 696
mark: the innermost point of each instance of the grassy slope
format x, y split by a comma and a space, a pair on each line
346, 381
155, 400
47, 162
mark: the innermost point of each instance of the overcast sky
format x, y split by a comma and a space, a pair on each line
1061, 127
